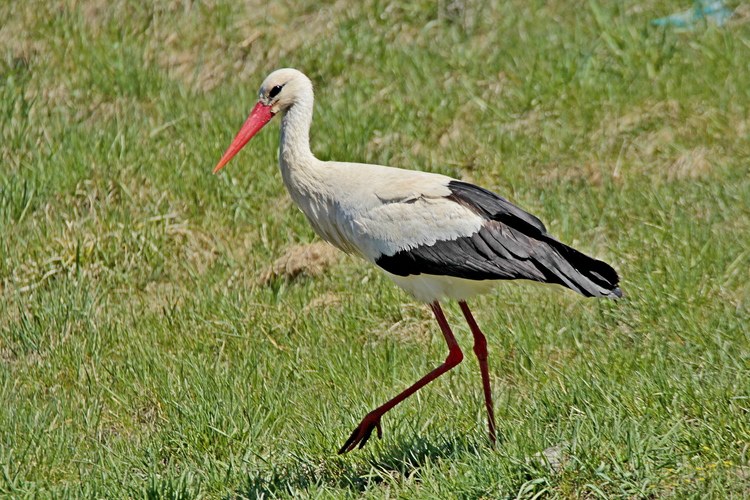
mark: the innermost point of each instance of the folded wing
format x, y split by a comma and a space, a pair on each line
509, 244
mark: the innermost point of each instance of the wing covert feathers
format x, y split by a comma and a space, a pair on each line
511, 244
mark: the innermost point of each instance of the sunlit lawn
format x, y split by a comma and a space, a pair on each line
145, 353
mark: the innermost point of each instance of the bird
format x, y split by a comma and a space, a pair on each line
436, 237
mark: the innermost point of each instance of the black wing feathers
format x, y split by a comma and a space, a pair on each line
511, 244
494, 207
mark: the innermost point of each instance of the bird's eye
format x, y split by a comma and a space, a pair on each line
275, 91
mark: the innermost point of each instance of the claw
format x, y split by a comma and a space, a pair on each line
362, 433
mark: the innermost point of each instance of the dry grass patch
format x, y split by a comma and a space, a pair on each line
696, 163
588, 172
158, 295
324, 301
402, 148
84, 239
416, 326
456, 133
307, 260
294, 23
204, 73
690, 164
650, 139
195, 53
20, 20
646, 116
525, 123
740, 16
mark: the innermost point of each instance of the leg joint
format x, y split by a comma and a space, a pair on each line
454, 357
480, 348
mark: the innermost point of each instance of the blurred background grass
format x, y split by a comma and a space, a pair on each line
142, 355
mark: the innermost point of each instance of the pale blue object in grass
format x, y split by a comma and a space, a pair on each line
713, 11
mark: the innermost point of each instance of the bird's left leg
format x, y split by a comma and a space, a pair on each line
372, 420
480, 349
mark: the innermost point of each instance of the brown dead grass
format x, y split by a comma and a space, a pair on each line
19, 21
454, 134
324, 301
649, 142
296, 24
189, 47
307, 260
402, 147
741, 15
203, 59
589, 173
648, 115
524, 123
416, 325
691, 164
84, 242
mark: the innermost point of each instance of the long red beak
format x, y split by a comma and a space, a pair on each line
259, 116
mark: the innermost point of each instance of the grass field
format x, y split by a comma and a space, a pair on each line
143, 355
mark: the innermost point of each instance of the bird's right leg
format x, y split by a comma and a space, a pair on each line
480, 349
372, 420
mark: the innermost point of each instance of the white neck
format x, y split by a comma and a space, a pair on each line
294, 149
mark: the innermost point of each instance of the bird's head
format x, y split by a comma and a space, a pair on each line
278, 92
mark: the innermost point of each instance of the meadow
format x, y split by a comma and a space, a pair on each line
153, 346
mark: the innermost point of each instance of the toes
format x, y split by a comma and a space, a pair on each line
368, 433
350, 443
361, 435
364, 438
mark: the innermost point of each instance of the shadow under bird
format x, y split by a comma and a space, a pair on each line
436, 237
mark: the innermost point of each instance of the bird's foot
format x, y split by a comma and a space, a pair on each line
362, 433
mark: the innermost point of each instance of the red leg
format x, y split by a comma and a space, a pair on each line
372, 420
480, 349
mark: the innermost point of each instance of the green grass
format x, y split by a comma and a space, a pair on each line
141, 357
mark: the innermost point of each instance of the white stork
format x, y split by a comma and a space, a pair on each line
436, 237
